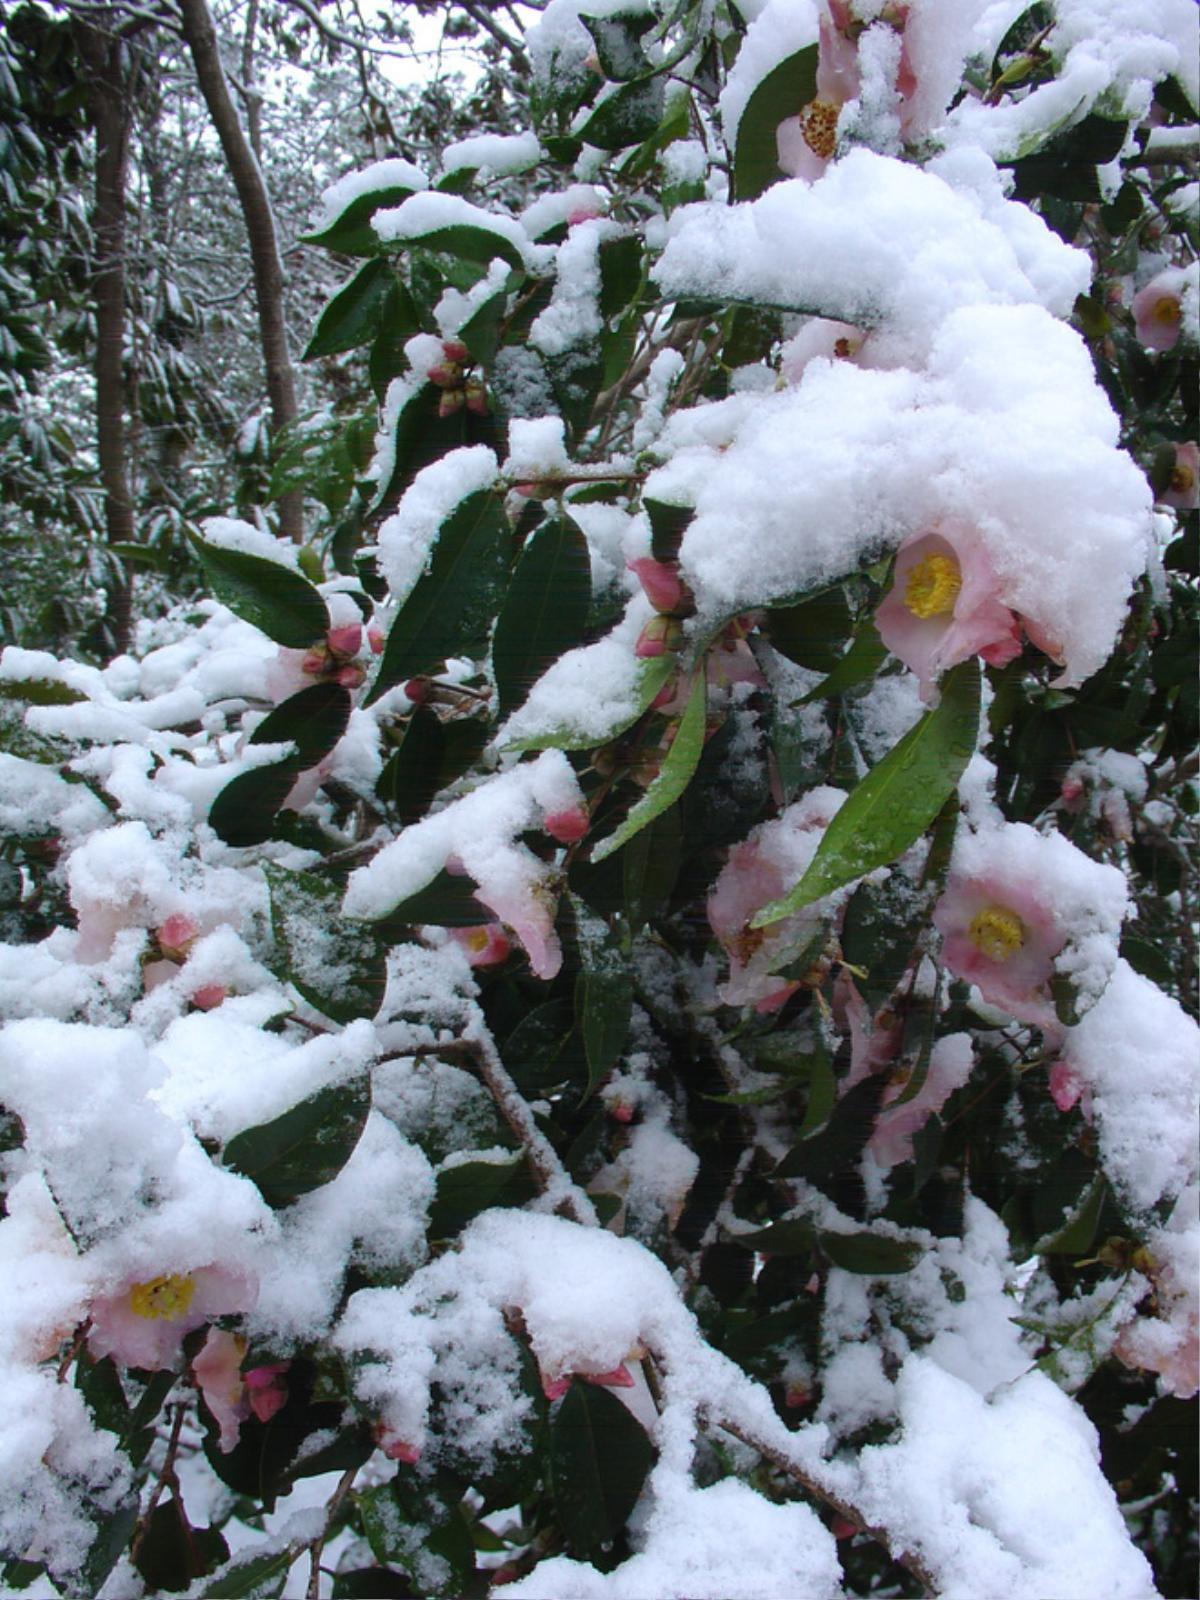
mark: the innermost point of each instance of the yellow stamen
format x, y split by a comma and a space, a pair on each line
1182, 479
818, 123
997, 931
477, 940
168, 1296
1167, 309
933, 586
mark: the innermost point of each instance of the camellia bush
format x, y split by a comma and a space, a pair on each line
616, 1025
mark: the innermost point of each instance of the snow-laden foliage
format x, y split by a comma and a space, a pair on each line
614, 1026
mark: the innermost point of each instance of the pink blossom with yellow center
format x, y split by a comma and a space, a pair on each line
144, 1323
484, 946
999, 934
1183, 491
945, 605
806, 143
1158, 309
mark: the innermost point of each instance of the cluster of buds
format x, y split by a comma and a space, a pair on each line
175, 937
452, 376
334, 656
672, 600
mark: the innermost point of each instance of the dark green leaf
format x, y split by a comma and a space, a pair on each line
628, 115
678, 765
470, 242
304, 1148
545, 610
482, 330
667, 526
450, 608
545, 1049
313, 720
618, 44
40, 692
265, 593
783, 93
897, 800
603, 994
172, 1554
1077, 1233
812, 632
620, 274
599, 1458
248, 1578
339, 966
865, 656
650, 867
469, 1187
843, 1138
447, 900
350, 232
399, 319
412, 775
354, 314
793, 1237
410, 1519
244, 812
114, 1528
652, 674
872, 1254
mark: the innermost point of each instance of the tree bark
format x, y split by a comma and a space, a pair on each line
109, 92
201, 37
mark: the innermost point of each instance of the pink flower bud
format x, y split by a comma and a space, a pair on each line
376, 639
842, 1528
568, 827
350, 676
209, 996
417, 690
583, 213
621, 1111
1066, 1086
660, 636
663, 586
795, 1396
455, 350
477, 397
618, 1378
345, 640
1071, 790
266, 1390
452, 400
446, 374
555, 1388
315, 661
176, 933
395, 1448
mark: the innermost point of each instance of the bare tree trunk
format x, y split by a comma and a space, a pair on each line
109, 91
247, 176
250, 91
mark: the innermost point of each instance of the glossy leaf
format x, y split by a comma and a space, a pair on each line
313, 720
338, 966
350, 232
872, 1254
599, 1458
618, 44
812, 632
545, 610
897, 800
861, 662
353, 316
783, 93
265, 593
450, 608
469, 1187
471, 242
628, 115
252, 1576
667, 526
678, 766
244, 812
603, 994
304, 1148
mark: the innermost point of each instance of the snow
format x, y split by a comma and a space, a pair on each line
379, 176
495, 154
407, 537
427, 213
231, 533
779, 30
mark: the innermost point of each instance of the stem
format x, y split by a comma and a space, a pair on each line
318, 1545
167, 1479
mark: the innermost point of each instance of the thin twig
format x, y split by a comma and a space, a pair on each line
318, 1545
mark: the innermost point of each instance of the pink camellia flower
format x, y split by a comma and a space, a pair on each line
820, 338
999, 934
617, 1378
806, 143
209, 996
1158, 309
568, 826
761, 869
218, 1373
345, 640
664, 588
527, 903
944, 606
266, 1388
376, 639
143, 1324
1184, 490
176, 934
950, 1066
485, 945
